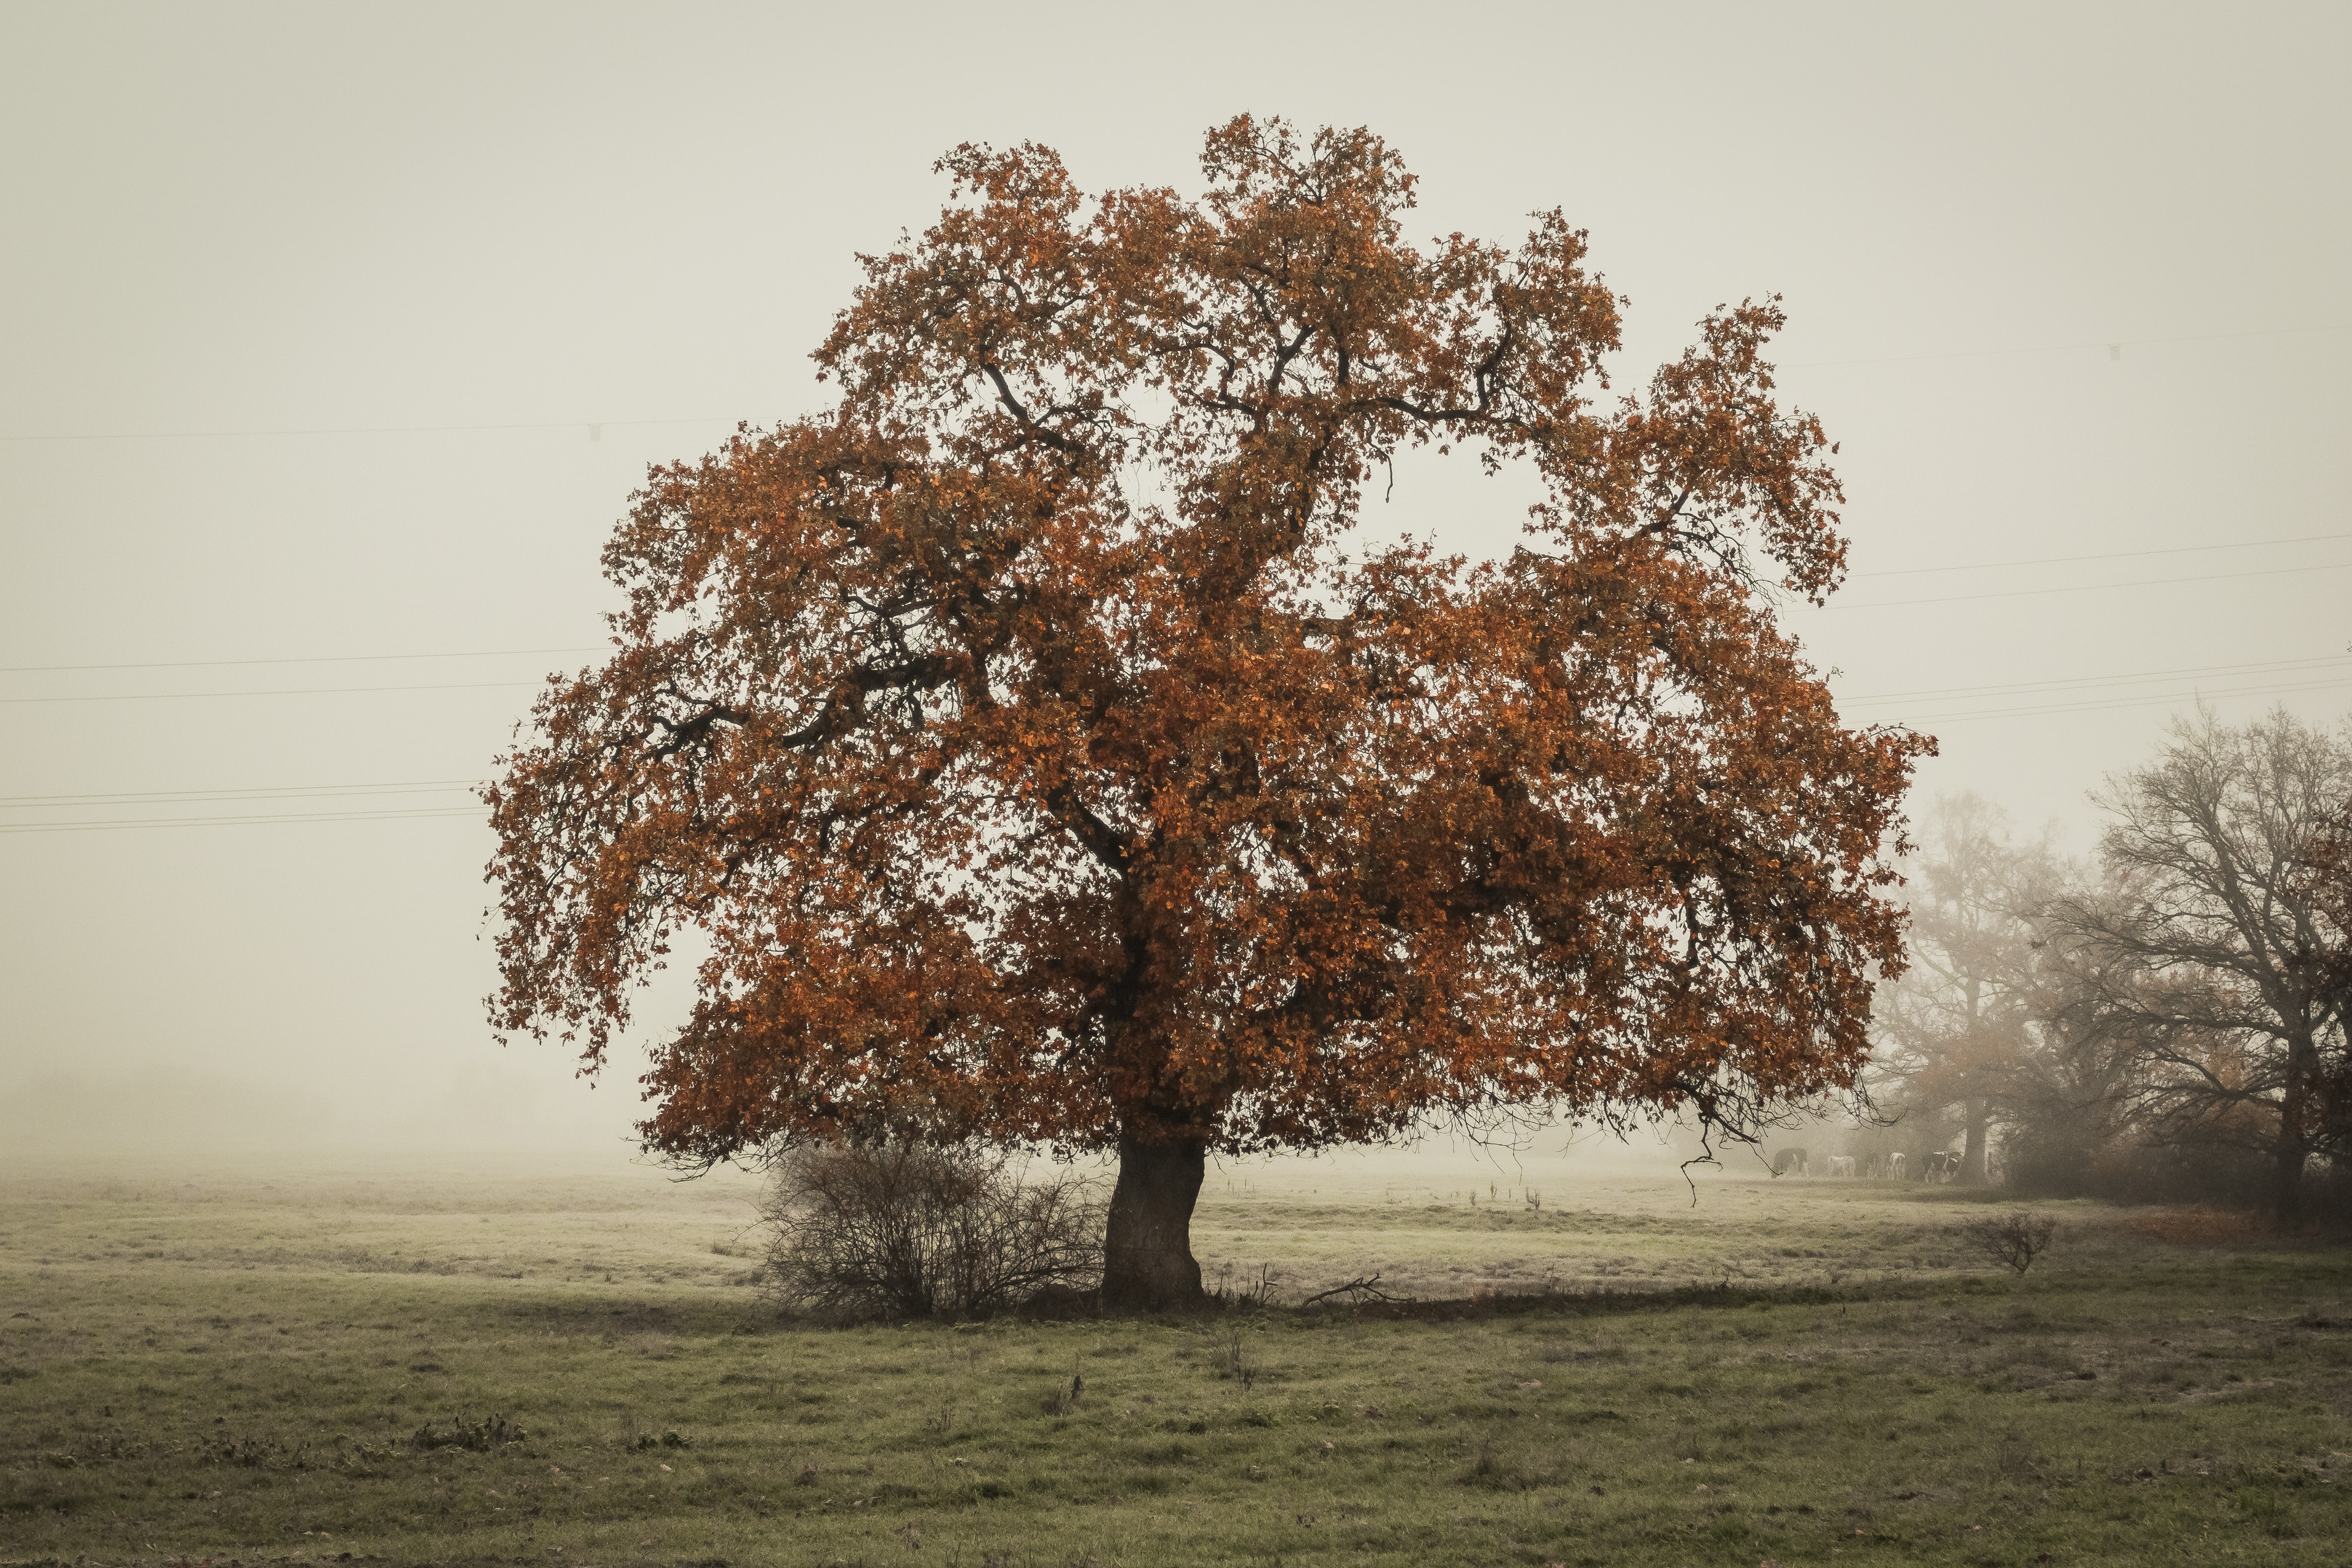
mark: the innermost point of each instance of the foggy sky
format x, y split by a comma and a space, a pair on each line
2065, 281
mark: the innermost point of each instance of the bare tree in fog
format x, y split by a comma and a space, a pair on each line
2325, 881
2069, 1130
1956, 1032
2207, 950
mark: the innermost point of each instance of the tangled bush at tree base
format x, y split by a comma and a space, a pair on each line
898, 1229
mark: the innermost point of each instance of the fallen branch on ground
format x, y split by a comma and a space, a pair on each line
1357, 1289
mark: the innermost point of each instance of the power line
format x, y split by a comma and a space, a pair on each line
2088, 682
2092, 587
592, 426
2115, 347
2159, 700
284, 692
529, 652
104, 824
317, 659
2091, 682
2110, 555
409, 785
229, 797
224, 796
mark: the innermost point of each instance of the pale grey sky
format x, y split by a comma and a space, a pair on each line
464, 236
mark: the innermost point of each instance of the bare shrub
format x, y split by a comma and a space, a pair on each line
1361, 1288
1061, 1401
1235, 1360
2016, 1238
1248, 1295
906, 1229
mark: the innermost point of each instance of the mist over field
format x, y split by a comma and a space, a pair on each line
336, 341
2062, 285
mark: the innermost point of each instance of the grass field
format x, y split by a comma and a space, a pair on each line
499, 1365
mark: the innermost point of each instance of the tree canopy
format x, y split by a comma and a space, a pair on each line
1047, 757
1959, 1029
2219, 936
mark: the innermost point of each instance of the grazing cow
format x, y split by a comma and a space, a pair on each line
1841, 1165
1941, 1166
1895, 1166
1790, 1162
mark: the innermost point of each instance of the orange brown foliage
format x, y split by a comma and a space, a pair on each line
1046, 758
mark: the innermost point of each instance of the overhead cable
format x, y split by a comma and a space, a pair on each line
2107, 555
2159, 700
103, 824
310, 659
2115, 347
473, 813
231, 797
2089, 683
2090, 587
592, 426
282, 692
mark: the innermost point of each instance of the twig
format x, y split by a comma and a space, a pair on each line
1359, 1286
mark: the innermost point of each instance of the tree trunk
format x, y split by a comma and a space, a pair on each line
1973, 1154
2294, 1114
2286, 1193
1148, 1263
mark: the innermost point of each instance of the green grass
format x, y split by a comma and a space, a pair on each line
1799, 1373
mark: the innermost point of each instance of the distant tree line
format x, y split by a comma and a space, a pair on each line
2164, 1021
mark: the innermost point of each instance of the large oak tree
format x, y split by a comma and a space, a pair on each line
1045, 759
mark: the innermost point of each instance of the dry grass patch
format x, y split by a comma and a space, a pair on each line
2199, 1226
